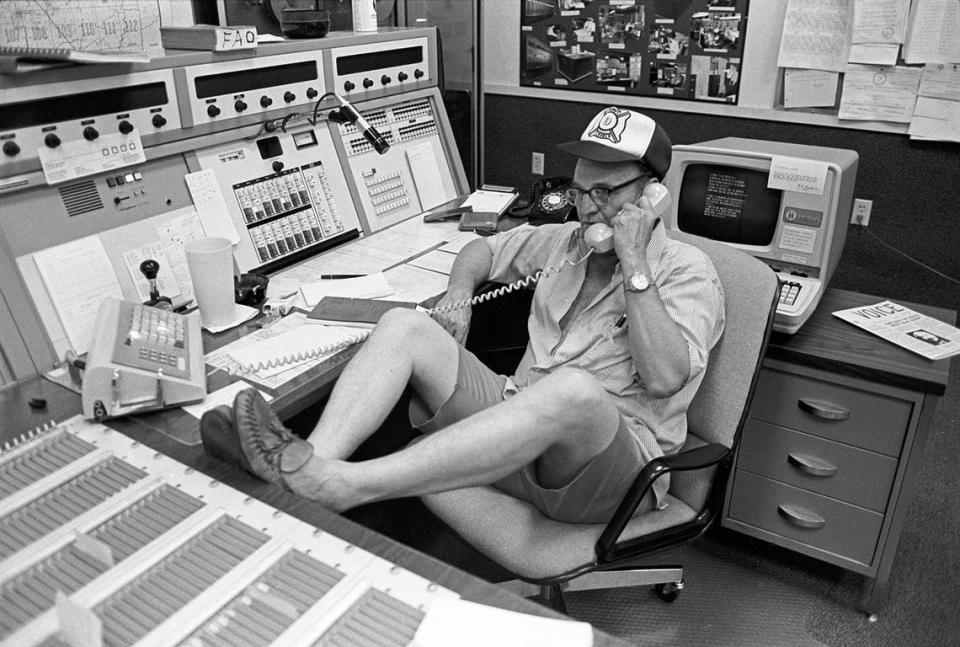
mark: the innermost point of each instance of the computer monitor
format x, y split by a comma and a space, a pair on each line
786, 204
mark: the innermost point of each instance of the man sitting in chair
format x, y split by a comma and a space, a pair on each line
618, 346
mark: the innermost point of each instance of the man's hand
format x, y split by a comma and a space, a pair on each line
632, 227
457, 321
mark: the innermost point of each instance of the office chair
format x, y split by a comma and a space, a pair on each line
550, 556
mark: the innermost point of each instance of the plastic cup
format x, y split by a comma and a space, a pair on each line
210, 261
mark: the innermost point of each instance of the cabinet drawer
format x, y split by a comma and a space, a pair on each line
847, 415
822, 466
824, 523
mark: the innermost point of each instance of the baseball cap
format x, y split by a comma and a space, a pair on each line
620, 135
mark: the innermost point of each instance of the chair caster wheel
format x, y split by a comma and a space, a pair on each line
668, 591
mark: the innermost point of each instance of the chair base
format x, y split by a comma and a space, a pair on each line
670, 579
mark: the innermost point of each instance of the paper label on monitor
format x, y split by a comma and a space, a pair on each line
80, 158
798, 239
798, 175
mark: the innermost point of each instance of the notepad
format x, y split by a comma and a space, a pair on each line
310, 342
358, 313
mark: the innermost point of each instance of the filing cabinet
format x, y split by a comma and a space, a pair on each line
828, 457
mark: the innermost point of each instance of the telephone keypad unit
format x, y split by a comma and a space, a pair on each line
151, 338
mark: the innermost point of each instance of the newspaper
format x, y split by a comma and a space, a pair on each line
904, 327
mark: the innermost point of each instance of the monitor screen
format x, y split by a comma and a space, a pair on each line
728, 203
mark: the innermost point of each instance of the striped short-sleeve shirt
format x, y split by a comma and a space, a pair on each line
688, 286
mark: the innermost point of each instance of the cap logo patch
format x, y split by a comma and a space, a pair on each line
610, 125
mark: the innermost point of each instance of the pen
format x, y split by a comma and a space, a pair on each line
340, 276
622, 320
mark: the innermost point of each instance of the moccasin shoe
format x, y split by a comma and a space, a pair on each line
270, 449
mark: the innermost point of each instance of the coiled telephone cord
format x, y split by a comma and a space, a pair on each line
506, 289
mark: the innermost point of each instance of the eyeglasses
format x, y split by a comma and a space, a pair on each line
599, 194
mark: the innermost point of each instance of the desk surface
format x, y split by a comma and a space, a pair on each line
18, 417
829, 343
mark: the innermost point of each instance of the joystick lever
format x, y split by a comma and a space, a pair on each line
149, 268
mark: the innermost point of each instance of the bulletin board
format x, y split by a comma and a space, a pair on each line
680, 49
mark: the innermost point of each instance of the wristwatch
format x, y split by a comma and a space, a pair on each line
637, 282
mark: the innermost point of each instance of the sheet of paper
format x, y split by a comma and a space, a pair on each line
435, 260
880, 21
798, 175
220, 396
83, 25
940, 81
810, 88
469, 624
926, 336
78, 276
879, 94
371, 286
816, 35
174, 234
495, 201
415, 283
935, 119
212, 208
932, 32
426, 175
874, 53
167, 284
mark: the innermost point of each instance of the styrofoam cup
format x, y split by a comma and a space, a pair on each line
210, 261
364, 15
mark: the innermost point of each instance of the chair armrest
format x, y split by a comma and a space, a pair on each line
692, 459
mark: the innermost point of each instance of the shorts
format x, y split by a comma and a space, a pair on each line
591, 497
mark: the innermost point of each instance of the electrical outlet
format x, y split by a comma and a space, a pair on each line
537, 164
861, 212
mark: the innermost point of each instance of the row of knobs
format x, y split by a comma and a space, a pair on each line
384, 80
52, 140
240, 105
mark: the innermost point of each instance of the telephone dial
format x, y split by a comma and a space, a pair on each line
547, 202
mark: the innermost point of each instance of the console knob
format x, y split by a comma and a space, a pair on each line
385, 79
265, 101
10, 148
311, 93
277, 166
367, 83
213, 110
51, 140
125, 127
349, 85
417, 73
289, 97
159, 121
239, 105
90, 133
402, 76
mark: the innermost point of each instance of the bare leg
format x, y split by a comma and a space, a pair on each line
562, 422
405, 348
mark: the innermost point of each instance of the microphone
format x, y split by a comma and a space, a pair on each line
348, 114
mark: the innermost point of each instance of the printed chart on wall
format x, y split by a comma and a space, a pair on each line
681, 49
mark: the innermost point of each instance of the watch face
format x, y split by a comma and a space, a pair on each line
639, 282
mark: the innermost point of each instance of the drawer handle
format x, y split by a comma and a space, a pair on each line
812, 465
800, 517
822, 409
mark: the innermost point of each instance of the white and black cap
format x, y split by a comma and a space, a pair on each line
620, 135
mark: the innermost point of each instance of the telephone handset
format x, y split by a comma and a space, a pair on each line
599, 237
